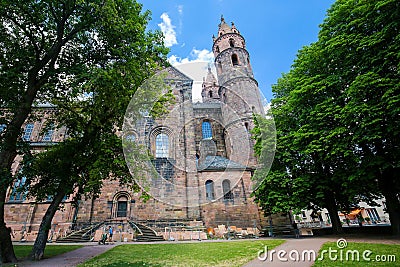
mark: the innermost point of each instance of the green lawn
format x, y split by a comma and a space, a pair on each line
381, 250
227, 254
23, 251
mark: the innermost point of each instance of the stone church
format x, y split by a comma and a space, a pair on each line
201, 151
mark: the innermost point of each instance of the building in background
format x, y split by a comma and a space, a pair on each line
201, 151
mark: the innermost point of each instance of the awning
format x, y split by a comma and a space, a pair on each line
352, 213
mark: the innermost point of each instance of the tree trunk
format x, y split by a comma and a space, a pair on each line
45, 226
333, 213
389, 191
6, 248
8, 153
392, 206
92, 209
37, 77
393, 209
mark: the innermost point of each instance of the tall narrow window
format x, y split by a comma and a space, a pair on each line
28, 132
232, 43
210, 94
206, 130
235, 60
226, 187
48, 136
210, 190
162, 146
18, 194
246, 125
217, 49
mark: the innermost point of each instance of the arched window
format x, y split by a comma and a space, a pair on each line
210, 94
162, 146
235, 60
210, 190
217, 49
206, 130
17, 193
226, 188
232, 42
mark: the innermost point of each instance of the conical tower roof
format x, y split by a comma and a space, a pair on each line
223, 27
210, 78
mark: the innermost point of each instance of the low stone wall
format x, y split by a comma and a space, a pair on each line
184, 235
22, 233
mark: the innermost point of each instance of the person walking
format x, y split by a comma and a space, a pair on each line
110, 234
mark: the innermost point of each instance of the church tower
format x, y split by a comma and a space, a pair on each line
238, 92
210, 88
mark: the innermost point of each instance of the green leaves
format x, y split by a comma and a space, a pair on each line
87, 58
337, 113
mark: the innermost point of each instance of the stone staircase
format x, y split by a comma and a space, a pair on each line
83, 235
282, 230
279, 223
145, 233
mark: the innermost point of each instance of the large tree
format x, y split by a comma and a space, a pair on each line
52, 49
337, 114
93, 150
361, 44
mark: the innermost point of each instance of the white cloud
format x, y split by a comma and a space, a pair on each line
195, 56
180, 11
195, 66
168, 30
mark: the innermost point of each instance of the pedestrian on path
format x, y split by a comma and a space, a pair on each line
110, 234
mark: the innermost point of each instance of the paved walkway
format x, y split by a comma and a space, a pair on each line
69, 259
91, 250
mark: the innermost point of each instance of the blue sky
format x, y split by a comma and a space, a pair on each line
274, 30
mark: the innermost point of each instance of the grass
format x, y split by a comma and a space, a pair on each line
22, 251
187, 254
380, 250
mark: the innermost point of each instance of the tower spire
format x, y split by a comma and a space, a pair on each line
210, 87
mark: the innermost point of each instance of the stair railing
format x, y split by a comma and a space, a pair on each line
134, 226
93, 228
